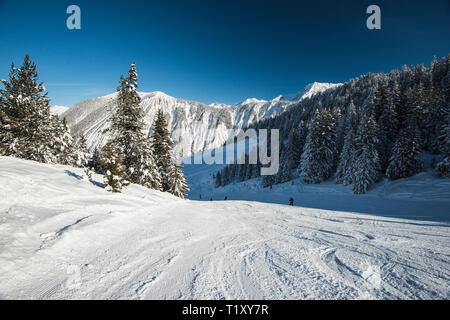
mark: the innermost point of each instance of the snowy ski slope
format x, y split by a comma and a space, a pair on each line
63, 237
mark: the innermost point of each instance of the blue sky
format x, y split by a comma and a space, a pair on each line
216, 51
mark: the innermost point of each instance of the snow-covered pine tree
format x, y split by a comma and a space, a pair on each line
115, 177
82, 143
407, 156
165, 161
94, 162
341, 122
317, 160
443, 167
148, 174
366, 170
435, 119
388, 124
128, 137
286, 163
177, 182
69, 153
344, 173
380, 98
296, 143
83, 150
27, 129
416, 108
291, 153
161, 145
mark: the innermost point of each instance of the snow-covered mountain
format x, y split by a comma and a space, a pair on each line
308, 91
203, 126
58, 110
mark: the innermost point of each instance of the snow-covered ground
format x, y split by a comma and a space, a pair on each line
62, 236
422, 197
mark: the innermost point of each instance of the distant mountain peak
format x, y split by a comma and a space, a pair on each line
308, 91
58, 110
251, 100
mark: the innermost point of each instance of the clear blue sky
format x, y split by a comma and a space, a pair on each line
216, 51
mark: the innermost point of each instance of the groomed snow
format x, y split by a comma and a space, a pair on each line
62, 236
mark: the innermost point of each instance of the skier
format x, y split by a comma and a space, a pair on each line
200, 196
226, 198
291, 201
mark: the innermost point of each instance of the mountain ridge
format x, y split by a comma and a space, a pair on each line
202, 126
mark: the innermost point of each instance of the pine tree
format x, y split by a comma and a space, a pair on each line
340, 132
128, 136
162, 144
172, 178
296, 143
147, 173
177, 182
27, 129
115, 177
443, 167
242, 173
69, 153
367, 164
435, 119
407, 158
268, 181
286, 164
218, 178
317, 160
388, 126
94, 162
83, 150
345, 171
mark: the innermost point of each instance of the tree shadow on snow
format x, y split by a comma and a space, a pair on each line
78, 177
97, 184
73, 174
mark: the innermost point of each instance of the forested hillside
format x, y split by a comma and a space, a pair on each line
373, 126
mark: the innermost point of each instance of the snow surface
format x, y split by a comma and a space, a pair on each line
422, 197
62, 236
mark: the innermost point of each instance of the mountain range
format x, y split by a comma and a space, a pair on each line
203, 126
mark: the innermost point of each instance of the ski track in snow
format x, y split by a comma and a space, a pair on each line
65, 238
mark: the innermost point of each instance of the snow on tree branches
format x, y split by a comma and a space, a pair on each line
27, 129
172, 177
129, 140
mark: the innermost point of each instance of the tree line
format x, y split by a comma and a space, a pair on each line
29, 131
375, 126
